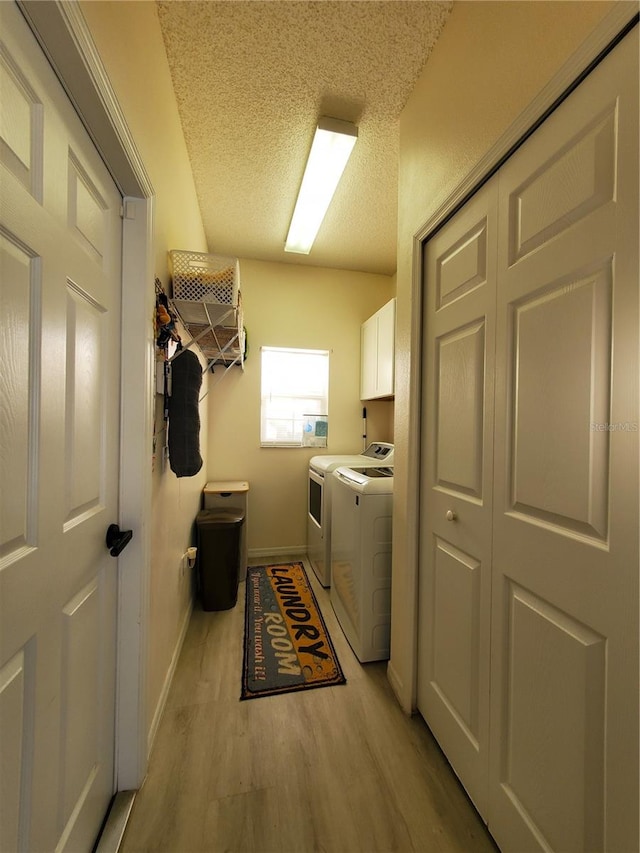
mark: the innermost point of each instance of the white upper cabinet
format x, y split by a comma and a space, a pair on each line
377, 346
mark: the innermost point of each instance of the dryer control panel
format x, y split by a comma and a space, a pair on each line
381, 451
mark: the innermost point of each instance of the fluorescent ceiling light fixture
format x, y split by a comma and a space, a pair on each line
331, 148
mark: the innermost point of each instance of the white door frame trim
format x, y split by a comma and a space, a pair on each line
66, 40
615, 24
136, 441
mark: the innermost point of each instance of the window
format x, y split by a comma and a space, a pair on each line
295, 382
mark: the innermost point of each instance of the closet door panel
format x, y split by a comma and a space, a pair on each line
554, 720
459, 358
560, 344
455, 661
564, 688
456, 482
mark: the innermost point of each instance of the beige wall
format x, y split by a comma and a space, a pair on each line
130, 44
490, 62
293, 306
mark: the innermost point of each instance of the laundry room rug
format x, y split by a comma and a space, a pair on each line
286, 643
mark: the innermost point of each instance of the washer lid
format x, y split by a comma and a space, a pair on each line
367, 480
326, 464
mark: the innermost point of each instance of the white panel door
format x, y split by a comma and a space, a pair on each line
60, 250
564, 677
456, 476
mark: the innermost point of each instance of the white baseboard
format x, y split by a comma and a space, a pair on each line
275, 552
398, 688
112, 833
162, 701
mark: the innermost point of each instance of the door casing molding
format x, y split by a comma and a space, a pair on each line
62, 32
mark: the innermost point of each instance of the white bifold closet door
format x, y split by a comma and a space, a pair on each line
457, 496
528, 664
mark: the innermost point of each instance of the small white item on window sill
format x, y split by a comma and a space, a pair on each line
314, 430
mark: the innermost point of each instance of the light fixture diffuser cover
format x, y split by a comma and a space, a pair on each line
331, 148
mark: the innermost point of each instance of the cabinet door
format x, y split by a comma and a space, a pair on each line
386, 317
368, 355
378, 338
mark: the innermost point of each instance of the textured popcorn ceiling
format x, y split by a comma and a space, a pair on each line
251, 79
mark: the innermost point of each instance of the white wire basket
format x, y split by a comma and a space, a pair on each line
202, 277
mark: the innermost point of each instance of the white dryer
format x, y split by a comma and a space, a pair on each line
319, 500
361, 517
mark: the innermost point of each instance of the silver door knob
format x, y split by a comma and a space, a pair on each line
451, 515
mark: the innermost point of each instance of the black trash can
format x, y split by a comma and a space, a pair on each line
219, 556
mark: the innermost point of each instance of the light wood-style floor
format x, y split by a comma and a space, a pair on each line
337, 770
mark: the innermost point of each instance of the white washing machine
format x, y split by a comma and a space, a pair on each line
319, 491
361, 516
